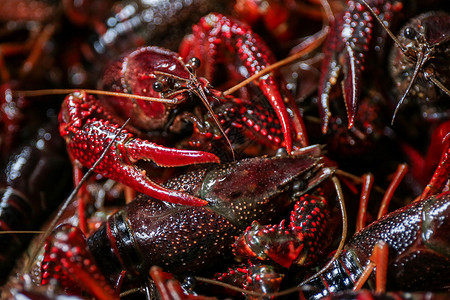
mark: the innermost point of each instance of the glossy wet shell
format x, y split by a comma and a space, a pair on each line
416, 250
426, 32
133, 74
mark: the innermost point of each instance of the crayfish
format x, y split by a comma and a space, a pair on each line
415, 61
418, 250
238, 157
185, 239
87, 124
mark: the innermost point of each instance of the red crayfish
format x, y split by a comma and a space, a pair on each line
214, 207
87, 123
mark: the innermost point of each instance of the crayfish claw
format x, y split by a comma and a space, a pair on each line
137, 149
351, 84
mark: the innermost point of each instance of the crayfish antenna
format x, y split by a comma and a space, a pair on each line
307, 46
421, 58
437, 83
420, 62
338, 252
388, 31
201, 94
191, 66
35, 93
401, 47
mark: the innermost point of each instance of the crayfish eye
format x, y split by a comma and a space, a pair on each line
409, 33
158, 87
194, 63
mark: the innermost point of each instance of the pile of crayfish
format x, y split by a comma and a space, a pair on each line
194, 149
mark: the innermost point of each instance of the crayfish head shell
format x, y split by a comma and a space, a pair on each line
252, 189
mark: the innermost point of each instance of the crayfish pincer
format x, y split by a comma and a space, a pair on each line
187, 239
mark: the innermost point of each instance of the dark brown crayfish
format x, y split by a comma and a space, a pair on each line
185, 239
